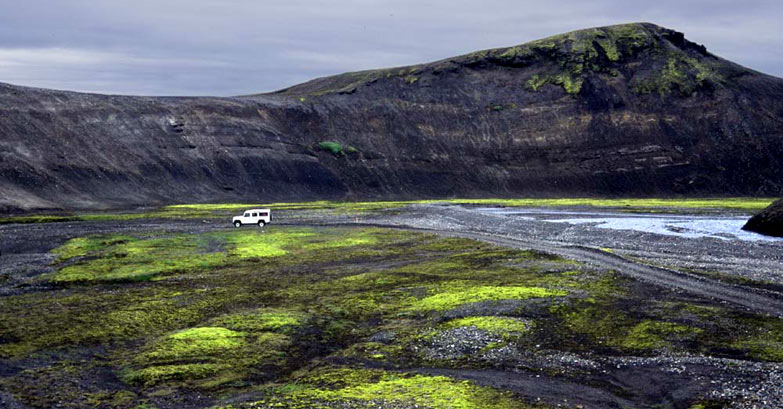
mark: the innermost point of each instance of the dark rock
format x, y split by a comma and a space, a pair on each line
579, 112
769, 221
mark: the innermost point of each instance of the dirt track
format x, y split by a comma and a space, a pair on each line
741, 296
467, 223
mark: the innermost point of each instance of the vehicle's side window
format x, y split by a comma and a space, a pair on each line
264, 214
255, 214
247, 214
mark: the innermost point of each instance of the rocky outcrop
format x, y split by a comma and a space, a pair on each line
769, 221
624, 110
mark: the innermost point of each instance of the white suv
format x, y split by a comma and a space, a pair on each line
253, 216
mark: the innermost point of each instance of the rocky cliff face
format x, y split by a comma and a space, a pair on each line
624, 110
769, 221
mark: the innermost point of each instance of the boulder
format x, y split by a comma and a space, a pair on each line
769, 221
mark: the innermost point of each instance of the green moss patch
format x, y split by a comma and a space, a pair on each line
83, 246
457, 294
225, 210
281, 318
263, 320
255, 244
212, 210
195, 343
578, 54
337, 149
58, 319
606, 51
371, 388
181, 372
604, 321
207, 352
681, 74
764, 340
124, 258
504, 326
571, 84
656, 335
229, 348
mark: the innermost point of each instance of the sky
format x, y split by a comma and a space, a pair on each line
238, 47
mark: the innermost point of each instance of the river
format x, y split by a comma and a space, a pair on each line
686, 226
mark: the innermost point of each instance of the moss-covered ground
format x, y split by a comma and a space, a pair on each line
224, 210
296, 317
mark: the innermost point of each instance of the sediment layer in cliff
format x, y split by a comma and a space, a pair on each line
626, 110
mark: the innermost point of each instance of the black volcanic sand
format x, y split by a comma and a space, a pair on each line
769, 221
181, 314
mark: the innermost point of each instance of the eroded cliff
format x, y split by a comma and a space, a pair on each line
623, 110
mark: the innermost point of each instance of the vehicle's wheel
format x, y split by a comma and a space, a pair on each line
261, 223
237, 224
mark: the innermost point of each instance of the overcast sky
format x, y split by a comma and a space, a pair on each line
233, 47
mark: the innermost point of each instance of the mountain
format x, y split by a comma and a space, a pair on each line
631, 110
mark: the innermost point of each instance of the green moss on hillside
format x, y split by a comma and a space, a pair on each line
577, 54
336, 148
563, 60
333, 147
680, 73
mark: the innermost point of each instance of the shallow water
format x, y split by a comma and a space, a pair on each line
687, 226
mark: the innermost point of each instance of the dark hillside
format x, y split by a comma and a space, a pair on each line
624, 110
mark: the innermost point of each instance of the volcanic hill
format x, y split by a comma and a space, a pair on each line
630, 110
